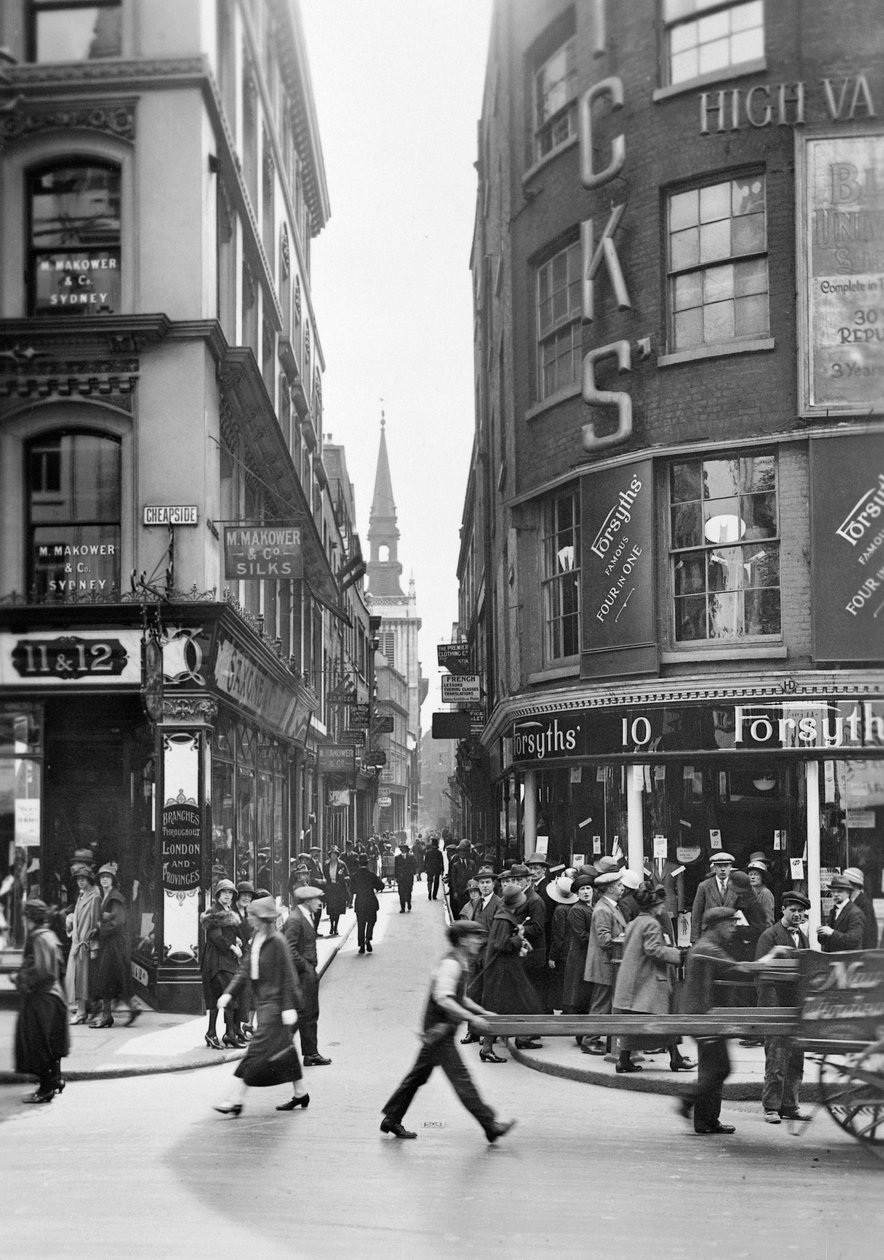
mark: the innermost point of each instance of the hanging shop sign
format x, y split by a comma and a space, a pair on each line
336, 759
455, 725
383, 725
359, 717
83, 659
181, 844
454, 657
841, 262
461, 687
648, 733
163, 514
375, 757
262, 552
617, 571
847, 546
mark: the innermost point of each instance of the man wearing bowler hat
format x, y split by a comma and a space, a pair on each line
847, 924
715, 891
300, 935
783, 1063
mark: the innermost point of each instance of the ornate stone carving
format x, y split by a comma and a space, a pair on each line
111, 118
189, 710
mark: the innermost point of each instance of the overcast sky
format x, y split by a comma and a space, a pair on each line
398, 88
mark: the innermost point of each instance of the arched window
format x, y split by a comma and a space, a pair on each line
74, 227
73, 507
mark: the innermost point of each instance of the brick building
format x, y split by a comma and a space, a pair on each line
672, 558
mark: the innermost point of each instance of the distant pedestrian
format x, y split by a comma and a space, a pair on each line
271, 1058
82, 928
366, 886
42, 1038
405, 870
300, 936
863, 902
336, 878
114, 963
434, 864
447, 1005
847, 925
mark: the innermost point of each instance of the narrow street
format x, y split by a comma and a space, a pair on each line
587, 1171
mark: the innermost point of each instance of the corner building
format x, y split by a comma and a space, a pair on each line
672, 561
171, 614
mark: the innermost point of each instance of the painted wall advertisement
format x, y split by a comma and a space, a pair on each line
617, 571
841, 235
847, 547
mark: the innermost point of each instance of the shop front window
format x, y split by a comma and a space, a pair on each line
851, 804
74, 266
561, 576
21, 799
73, 530
724, 547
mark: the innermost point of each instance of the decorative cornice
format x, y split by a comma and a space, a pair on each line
721, 689
115, 118
60, 75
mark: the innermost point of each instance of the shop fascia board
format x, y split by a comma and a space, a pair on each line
720, 688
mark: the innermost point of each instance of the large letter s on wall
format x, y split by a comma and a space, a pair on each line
607, 397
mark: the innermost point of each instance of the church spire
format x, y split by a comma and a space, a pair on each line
383, 568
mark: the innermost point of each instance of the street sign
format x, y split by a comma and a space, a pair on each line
451, 725
163, 514
359, 716
461, 687
383, 725
454, 656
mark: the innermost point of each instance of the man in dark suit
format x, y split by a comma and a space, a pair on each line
483, 914
715, 891
863, 902
783, 1064
405, 870
847, 924
434, 866
300, 935
535, 934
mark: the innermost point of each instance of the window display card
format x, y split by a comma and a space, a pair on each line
659, 774
576, 774
578, 859
585, 822
687, 773
542, 844
779, 838
596, 844
601, 774
796, 868
638, 777
715, 839
660, 847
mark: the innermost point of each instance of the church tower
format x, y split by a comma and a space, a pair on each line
398, 640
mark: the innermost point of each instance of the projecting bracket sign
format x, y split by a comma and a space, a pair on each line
461, 688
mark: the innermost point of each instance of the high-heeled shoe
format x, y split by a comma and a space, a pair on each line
134, 1012
626, 1067
488, 1056
80, 1019
58, 1086
212, 1042
303, 1101
103, 1021
235, 1043
38, 1097
229, 1109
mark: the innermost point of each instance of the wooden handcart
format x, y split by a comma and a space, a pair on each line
840, 1022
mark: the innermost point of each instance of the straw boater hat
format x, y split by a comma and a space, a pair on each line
855, 875
630, 880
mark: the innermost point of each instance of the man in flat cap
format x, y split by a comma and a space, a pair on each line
847, 924
447, 1005
710, 961
783, 1064
715, 891
300, 935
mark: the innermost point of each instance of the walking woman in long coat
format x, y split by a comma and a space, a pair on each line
42, 1038
114, 965
221, 957
577, 992
336, 886
644, 978
506, 988
271, 1058
82, 928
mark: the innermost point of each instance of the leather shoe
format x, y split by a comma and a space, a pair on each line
468, 1039
627, 1067
716, 1128
103, 1021
303, 1101
801, 1116
498, 1129
593, 1048
229, 1109
682, 1065
316, 1060
772, 1117
488, 1056
526, 1043
397, 1130
37, 1097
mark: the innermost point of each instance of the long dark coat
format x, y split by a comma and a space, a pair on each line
365, 885
114, 965
505, 987
271, 1058
337, 888
219, 962
42, 1036
576, 992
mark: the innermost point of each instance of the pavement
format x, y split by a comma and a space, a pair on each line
160, 1042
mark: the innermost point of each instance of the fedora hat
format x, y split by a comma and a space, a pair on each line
537, 859
519, 870
485, 872
840, 881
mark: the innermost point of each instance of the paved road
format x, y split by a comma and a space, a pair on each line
143, 1167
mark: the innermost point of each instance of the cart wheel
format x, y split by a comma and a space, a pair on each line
852, 1091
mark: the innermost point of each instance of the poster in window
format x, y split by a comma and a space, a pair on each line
847, 547
78, 282
841, 272
617, 571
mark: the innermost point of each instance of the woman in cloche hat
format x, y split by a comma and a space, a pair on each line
81, 925
42, 1038
221, 957
114, 965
